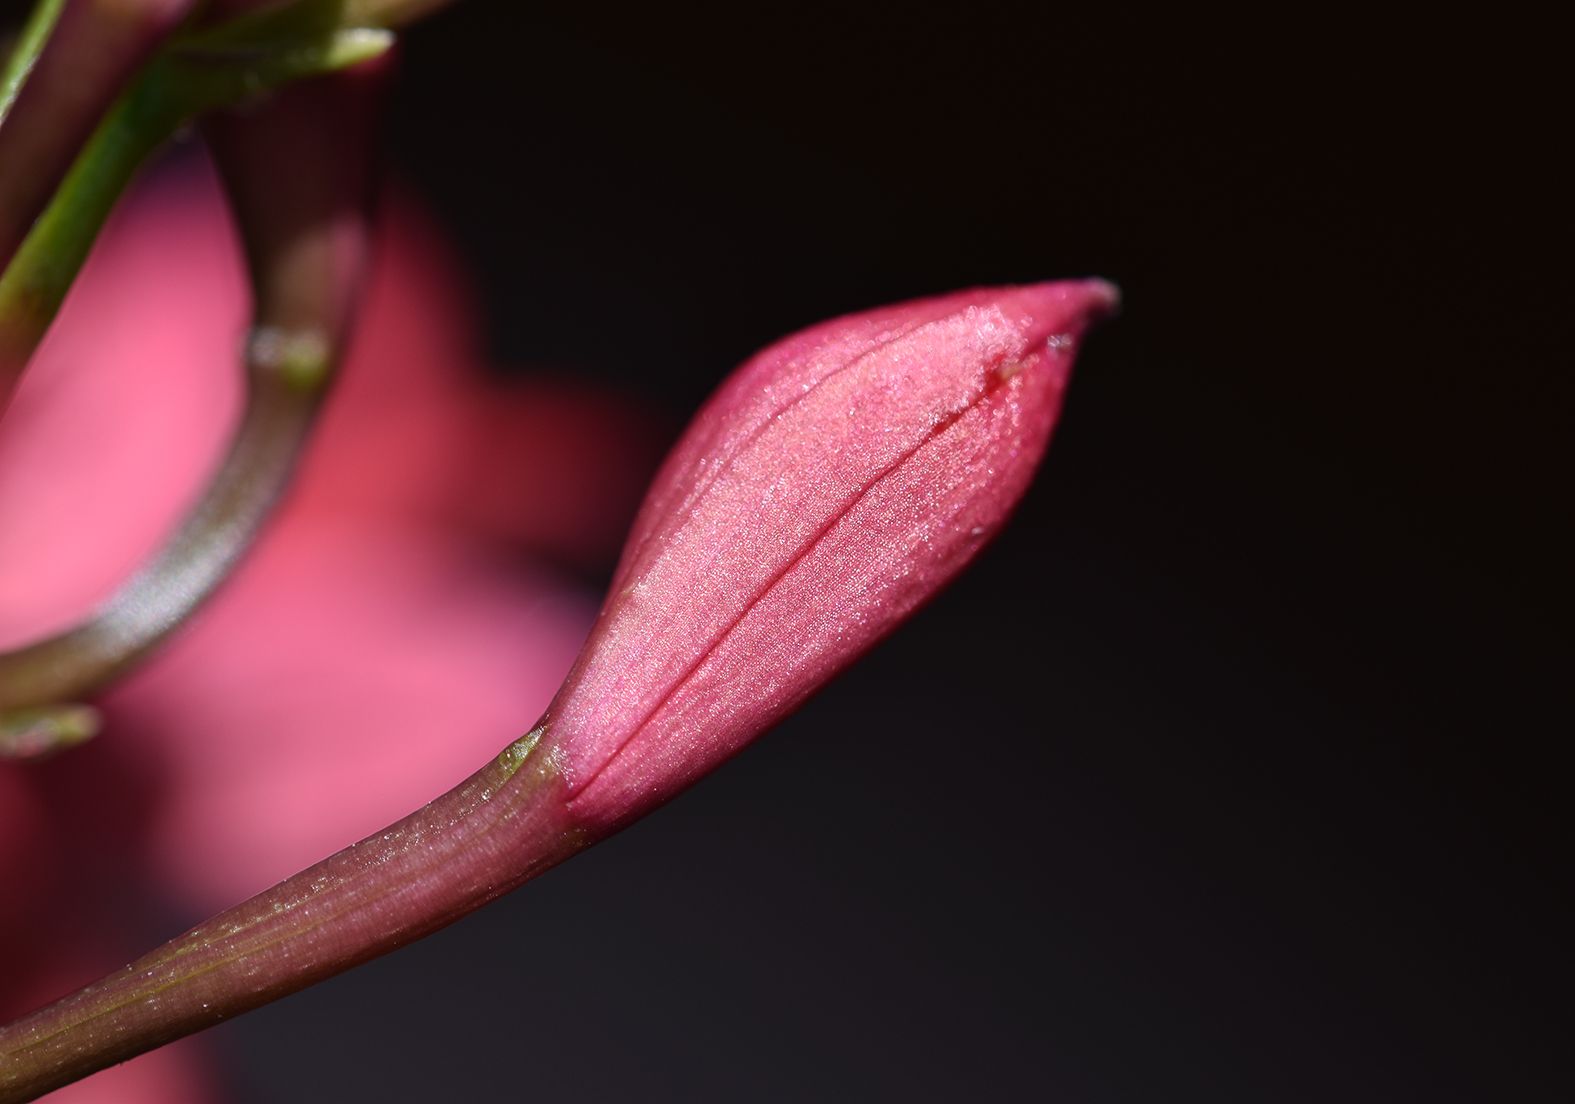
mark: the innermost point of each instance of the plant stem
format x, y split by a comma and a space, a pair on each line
36, 733
63, 87
490, 834
24, 54
202, 73
298, 171
35, 283
277, 419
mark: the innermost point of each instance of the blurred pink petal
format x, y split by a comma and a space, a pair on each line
415, 428
27, 856
601, 452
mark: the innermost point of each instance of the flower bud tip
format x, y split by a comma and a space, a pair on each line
829, 488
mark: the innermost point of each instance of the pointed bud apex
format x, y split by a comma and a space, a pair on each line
831, 486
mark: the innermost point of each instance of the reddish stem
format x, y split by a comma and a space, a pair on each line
493, 832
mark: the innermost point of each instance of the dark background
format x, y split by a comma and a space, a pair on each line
1228, 773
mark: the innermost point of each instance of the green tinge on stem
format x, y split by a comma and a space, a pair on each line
197, 75
35, 283
29, 44
86, 63
493, 832
389, 13
37, 733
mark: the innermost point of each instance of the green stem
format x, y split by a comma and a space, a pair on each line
35, 283
204, 73
29, 44
298, 171
88, 60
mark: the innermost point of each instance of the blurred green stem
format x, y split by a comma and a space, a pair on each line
277, 419
298, 171
199, 73
35, 283
35, 32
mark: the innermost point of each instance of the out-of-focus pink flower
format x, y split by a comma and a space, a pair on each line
394, 625
833, 484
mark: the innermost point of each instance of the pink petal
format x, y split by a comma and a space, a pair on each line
832, 485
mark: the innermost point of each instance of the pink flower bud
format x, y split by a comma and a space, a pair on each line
830, 487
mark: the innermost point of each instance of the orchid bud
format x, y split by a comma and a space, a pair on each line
831, 486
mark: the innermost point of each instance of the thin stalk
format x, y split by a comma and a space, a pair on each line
299, 171
39, 275
199, 74
24, 54
496, 830
277, 419
71, 80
